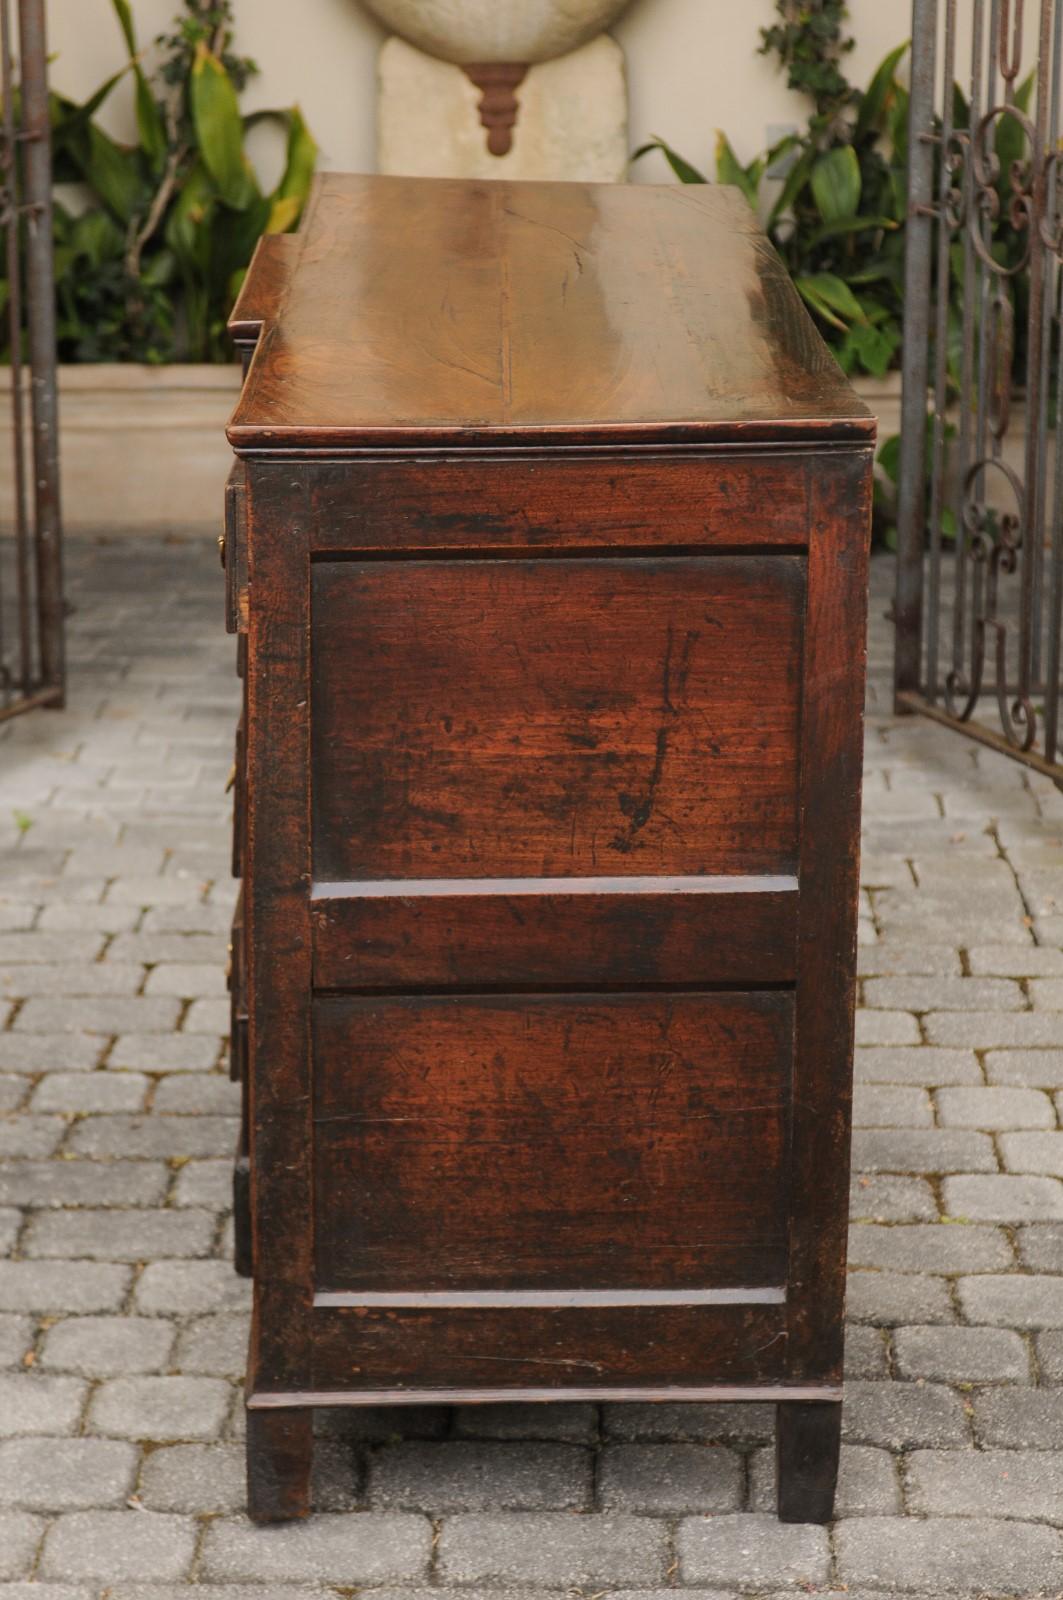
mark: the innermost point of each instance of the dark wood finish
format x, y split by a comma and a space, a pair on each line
234, 550
547, 554
829, 875
554, 718
457, 312
808, 1438
262, 292
280, 1454
520, 933
551, 1349
456, 1148
527, 503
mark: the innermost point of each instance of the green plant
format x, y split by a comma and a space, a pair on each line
836, 218
809, 40
837, 215
150, 257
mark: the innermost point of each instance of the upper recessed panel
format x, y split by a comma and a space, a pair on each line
419, 310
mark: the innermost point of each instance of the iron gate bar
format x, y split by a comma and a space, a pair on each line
37, 676
997, 563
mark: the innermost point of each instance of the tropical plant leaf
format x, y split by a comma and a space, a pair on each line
284, 213
836, 183
827, 289
150, 126
878, 94
220, 130
679, 165
189, 226
874, 348
114, 174
791, 189
300, 164
124, 12
838, 230
730, 170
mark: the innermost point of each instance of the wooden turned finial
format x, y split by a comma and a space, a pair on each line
498, 82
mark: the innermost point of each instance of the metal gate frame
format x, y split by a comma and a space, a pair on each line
32, 666
979, 594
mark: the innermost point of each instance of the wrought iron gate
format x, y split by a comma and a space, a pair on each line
31, 589
979, 598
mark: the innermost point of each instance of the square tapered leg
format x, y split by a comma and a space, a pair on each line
807, 1446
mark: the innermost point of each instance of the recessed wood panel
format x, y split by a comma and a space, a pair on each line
548, 932
513, 503
556, 717
618, 1141
573, 1352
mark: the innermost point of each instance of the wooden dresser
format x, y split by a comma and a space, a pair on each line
547, 547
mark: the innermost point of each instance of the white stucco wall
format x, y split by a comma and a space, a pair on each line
692, 66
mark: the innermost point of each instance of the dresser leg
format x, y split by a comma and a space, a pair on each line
280, 1453
807, 1444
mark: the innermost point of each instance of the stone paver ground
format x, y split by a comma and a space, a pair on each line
122, 1327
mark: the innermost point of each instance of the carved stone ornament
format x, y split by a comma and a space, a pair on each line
498, 82
495, 42
469, 32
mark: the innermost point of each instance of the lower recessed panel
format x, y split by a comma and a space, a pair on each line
617, 1142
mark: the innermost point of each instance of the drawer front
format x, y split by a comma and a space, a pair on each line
555, 718
551, 1142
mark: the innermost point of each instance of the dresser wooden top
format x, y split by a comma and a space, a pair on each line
417, 312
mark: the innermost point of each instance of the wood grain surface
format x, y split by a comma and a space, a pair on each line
452, 310
600, 1141
541, 719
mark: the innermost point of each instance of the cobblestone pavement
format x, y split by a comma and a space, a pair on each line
123, 1328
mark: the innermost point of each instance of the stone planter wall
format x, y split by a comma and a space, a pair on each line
142, 449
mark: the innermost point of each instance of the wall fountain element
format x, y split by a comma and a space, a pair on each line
502, 88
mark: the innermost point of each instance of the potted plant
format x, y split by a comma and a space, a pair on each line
152, 240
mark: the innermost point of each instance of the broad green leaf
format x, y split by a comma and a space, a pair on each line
302, 159
96, 237
812, 298
123, 11
730, 170
834, 230
795, 182
220, 130
878, 94
68, 117
961, 108
679, 165
875, 348
150, 124
897, 127
1011, 144
149, 119
114, 174
284, 213
833, 292
160, 269
889, 457
835, 181
188, 229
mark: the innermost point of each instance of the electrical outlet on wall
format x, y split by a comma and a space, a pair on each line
776, 131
